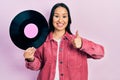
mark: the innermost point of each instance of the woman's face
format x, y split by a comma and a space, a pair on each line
60, 19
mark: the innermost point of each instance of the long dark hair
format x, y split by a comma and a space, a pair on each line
52, 14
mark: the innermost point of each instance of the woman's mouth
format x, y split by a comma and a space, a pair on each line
60, 24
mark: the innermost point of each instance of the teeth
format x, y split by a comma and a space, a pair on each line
60, 25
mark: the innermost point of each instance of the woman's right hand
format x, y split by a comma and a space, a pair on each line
29, 53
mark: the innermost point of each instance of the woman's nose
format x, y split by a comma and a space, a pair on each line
60, 19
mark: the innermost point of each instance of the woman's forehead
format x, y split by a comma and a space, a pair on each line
60, 10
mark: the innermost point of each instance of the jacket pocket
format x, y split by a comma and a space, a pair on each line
74, 59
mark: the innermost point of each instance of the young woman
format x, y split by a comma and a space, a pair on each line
63, 56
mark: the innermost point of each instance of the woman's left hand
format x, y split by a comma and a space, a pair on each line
77, 43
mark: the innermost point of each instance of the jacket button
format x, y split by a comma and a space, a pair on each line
61, 74
60, 49
61, 62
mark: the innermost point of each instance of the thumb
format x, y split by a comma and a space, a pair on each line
77, 34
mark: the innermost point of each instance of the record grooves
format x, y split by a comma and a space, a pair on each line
18, 25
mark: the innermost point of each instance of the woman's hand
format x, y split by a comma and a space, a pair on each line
29, 53
77, 43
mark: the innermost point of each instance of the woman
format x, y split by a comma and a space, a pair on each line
63, 56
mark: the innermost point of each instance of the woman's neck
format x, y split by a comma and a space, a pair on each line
58, 34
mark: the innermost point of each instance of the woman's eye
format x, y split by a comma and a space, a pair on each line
64, 16
56, 16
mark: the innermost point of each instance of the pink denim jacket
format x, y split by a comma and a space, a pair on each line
72, 61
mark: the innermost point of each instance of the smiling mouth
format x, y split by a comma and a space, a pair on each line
60, 24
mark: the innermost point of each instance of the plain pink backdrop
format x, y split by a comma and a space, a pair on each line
97, 20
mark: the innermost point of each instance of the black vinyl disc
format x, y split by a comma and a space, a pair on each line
18, 25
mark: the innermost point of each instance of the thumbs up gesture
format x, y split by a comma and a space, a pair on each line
77, 43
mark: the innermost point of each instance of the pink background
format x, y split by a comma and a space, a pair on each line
97, 20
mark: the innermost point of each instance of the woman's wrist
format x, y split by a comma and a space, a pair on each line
30, 59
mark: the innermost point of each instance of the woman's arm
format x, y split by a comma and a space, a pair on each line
92, 49
35, 63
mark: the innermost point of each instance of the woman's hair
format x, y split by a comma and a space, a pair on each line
52, 14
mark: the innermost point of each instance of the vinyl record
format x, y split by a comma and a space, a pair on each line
19, 24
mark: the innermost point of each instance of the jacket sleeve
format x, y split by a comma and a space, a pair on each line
92, 49
36, 64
